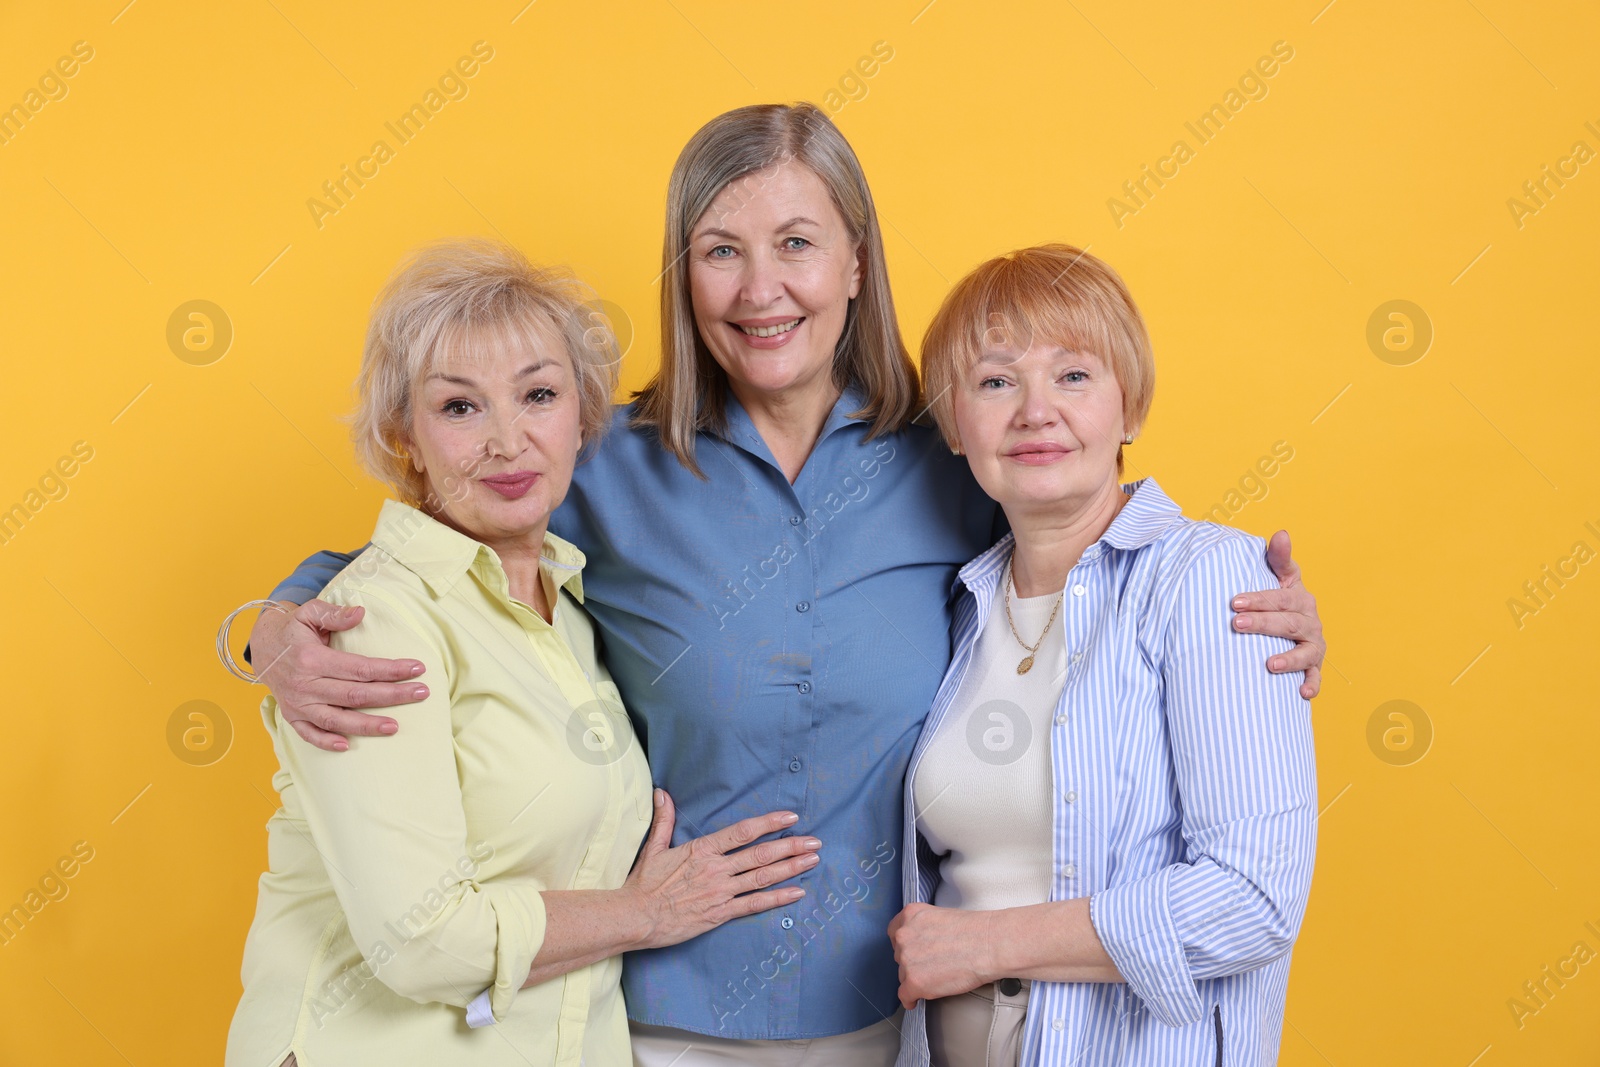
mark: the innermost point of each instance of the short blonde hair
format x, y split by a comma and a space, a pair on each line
1048, 294
689, 391
454, 296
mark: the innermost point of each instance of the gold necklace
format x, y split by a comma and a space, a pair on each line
1027, 661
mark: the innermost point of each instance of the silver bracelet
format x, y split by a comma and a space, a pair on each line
225, 654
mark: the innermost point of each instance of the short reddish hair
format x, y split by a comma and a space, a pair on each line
1049, 294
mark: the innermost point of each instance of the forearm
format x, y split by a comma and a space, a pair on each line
1051, 942
585, 926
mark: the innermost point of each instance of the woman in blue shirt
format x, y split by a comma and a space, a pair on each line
771, 544
1112, 809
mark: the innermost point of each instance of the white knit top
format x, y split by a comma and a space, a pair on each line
983, 786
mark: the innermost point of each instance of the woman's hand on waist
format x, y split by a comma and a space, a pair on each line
685, 891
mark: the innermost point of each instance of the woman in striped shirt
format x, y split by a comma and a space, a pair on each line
1112, 808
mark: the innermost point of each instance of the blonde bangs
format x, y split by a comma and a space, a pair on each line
1051, 294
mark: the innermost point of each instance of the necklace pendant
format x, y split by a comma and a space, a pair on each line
1026, 665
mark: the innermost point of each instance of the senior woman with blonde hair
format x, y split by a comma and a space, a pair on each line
772, 540
1112, 807
488, 844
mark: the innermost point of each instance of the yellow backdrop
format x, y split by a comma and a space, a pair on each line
1364, 236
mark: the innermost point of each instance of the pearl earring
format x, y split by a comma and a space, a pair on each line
1128, 440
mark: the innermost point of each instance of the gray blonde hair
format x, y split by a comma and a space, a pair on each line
456, 296
689, 391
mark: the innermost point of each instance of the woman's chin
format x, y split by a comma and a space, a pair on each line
770, 379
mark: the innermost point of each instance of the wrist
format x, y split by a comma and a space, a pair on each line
637, 918
990, 935
270, 623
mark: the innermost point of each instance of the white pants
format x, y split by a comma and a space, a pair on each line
662, 1046
982, 1028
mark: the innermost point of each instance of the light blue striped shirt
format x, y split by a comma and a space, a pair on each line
1185, 798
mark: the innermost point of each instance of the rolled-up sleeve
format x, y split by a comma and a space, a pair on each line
1246, 783
387, 818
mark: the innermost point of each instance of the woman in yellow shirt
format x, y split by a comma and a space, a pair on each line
490, 846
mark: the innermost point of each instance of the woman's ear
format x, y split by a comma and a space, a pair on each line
860, 272
406, 449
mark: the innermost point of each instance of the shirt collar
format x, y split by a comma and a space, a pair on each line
740, 430
440, 555
1148, 514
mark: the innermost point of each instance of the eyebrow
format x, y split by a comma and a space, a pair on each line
798, 220
470, 384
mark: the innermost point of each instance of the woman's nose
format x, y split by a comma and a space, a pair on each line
1035, 407
505, 433
762, 283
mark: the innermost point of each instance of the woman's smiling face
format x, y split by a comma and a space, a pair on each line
496, 430
1040, 428
772, 271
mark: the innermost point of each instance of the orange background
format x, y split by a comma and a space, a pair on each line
1427, 484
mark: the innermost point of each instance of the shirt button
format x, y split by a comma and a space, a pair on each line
1072, 796
1076, 656
1070, 871
1057, 1024
803, 606
794, 520
1061, 720
1078, 590
804, 687
794, 765
787, 923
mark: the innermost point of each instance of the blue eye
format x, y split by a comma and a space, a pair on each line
720, 248
796, 247
987, 382
1076, 376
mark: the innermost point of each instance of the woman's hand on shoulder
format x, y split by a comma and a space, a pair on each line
684, 891
318, 687
1288, 611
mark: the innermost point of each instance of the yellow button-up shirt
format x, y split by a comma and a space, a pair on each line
405, 873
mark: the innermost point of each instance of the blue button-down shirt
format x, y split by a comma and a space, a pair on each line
1185, 798
778, 647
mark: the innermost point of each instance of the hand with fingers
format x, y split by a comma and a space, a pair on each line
701, 884
318, 688
1288, 611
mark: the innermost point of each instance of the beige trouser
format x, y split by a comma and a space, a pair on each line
662, 1046
982, 1028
